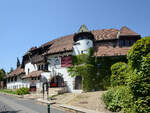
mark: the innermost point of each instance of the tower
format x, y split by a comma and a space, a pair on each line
83, 40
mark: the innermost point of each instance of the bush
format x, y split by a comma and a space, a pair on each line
118, 98
22, 91
139, 61
134, 96
119, 71
139, 50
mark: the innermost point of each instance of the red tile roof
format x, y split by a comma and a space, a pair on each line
66, 43
31, 49
16, 72
61, 44
125, 31
105, 34
33, 74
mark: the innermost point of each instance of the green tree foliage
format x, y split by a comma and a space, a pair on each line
137, 80
139, 61
139, 50
119, 71
2, 74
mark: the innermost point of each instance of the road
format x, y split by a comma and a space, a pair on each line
11, 104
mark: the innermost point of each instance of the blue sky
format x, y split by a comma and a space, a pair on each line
27, 23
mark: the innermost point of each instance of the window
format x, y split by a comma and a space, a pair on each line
121, 43
28, 70
132, 42
46, 67
114, 44
12, 79
76, 43
38, 67
42, 67
15, 78
125, 43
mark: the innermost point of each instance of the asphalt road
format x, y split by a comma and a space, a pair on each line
11, 104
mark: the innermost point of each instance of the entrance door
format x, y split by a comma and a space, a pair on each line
57, 81
78, 82
32, 85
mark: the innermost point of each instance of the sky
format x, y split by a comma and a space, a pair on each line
27, 23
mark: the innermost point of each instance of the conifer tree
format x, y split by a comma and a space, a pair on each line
18, 62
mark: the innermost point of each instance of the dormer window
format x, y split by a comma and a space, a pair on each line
126, 43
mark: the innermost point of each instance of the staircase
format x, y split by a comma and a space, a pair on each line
52, 91
56, 91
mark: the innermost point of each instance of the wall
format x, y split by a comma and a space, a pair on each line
108, 49
55, 69
18, 84
31, 67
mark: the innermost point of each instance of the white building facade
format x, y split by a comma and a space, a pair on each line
49, 62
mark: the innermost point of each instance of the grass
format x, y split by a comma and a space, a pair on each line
8, 91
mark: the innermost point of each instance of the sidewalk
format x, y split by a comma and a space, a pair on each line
77, 109
61, 104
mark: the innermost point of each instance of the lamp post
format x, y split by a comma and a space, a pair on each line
48, 108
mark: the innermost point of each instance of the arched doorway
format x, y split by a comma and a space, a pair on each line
32, 85
57, 81
78, 82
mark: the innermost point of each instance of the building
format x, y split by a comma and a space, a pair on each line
49, 62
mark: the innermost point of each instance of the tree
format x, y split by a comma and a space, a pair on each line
2, 74
11, 70
139, 62
139, 50
136, 98
18, 62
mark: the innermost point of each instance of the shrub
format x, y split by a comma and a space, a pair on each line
118, 98
139, 50
22, 91
119, 71
134, 96
139, 61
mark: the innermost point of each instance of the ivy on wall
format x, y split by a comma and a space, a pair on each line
95, 71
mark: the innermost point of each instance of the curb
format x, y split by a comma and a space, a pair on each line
78, 109
45, 101
19, 96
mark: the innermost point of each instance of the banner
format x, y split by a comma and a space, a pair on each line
66, 61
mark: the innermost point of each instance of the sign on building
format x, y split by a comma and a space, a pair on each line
66, 61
